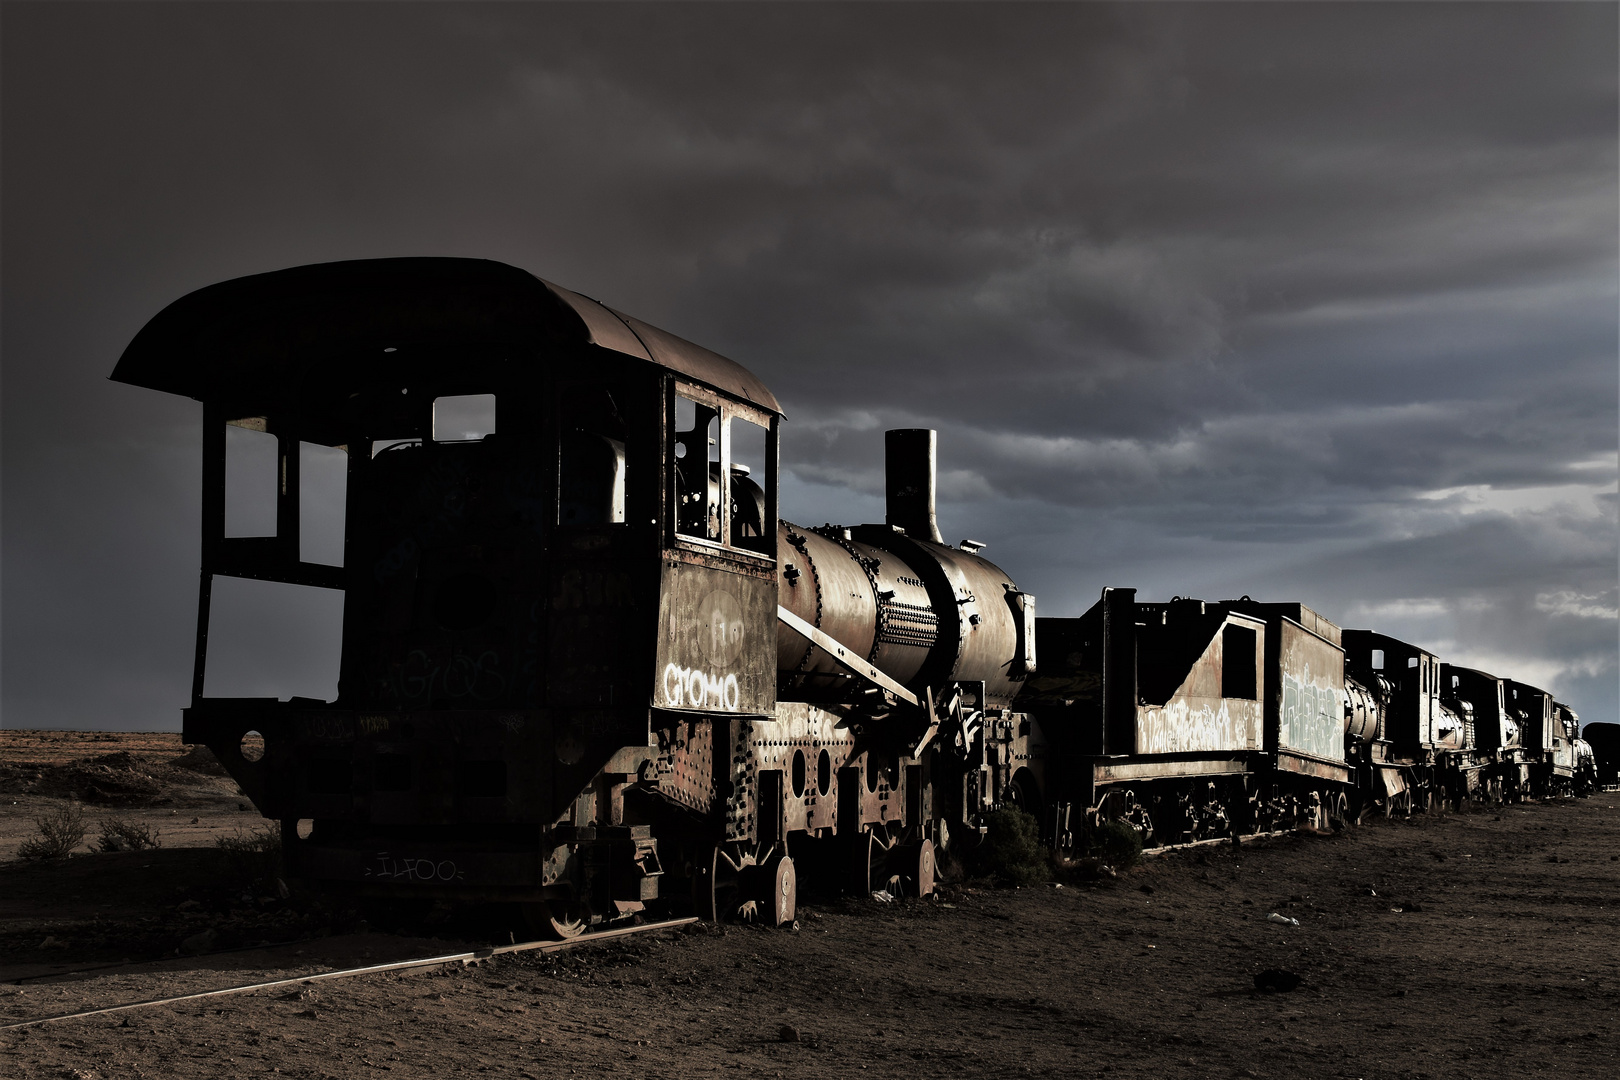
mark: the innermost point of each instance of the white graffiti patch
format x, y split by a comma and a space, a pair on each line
1182, 726
1312, 717
694, 688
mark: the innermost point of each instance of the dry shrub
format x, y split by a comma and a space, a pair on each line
252, 857
59, 834
1116, 844
1011, 850
120, 835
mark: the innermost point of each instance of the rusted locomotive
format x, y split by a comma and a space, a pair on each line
584, 667
587, 668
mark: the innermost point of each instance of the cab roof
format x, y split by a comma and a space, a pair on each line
292, 339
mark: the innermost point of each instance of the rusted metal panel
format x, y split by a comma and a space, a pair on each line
687, 749
1202, 714
1392, 780
716, 641
1193, 723
1110, 771
1303, 766
1310, 684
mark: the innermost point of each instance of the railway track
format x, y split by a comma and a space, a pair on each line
464, 958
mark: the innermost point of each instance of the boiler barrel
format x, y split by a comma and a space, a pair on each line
923, 613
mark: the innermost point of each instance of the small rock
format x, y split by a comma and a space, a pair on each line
1276, 980
199, 943
788, 1033
188, 905
1145, 889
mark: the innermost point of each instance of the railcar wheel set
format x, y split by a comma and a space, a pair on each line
587, 668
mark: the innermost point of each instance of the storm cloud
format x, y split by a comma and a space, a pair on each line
1310, 302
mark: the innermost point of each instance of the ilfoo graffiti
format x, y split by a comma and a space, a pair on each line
1185, 725
399, 869
1312, 717
694, 688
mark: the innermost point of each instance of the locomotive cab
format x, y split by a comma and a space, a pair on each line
559, 522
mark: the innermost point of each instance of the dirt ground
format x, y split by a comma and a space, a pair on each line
1470, 945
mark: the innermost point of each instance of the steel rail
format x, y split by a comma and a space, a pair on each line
1164, 849
463, 958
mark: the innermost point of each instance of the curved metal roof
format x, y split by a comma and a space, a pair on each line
257, 340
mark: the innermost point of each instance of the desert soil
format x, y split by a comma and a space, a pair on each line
1467, 945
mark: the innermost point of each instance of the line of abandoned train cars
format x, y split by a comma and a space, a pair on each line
587, 668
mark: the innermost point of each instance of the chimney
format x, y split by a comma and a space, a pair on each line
909, 482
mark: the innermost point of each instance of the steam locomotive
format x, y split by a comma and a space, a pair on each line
587, 668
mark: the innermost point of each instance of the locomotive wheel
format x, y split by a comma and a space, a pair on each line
717, 882
868, 864
783, 901
559, 920
916, 865
1338, 812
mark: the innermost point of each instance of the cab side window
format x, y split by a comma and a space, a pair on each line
724, 462
591, 464
748, 443
697, 469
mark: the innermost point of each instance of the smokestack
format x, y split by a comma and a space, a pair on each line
908, 466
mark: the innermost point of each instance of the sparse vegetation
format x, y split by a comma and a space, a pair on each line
1011, 850
59, 834
1117, 844
118, 834
252, 857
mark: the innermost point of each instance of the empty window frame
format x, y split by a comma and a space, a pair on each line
271, 639
463, 418
323, 487
592, 467
1238, 663
749, 446
698, 476
252, 465
722, 474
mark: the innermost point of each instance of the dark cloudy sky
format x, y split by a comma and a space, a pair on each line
1313, 302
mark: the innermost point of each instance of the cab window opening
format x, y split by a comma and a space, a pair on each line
1238, 672
748, 442
463, 417
323, 475
251, 466
698, 478
592, 465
